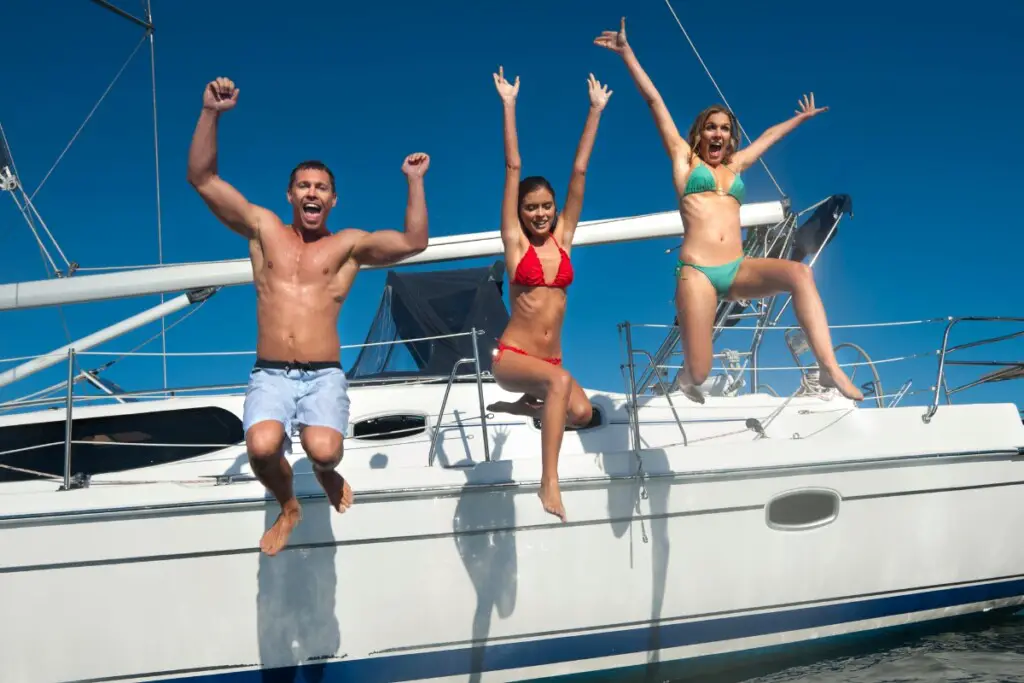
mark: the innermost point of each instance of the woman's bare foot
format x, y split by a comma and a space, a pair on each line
527, 406
551, 498
835, 378
337, 489
276, 537
685, 384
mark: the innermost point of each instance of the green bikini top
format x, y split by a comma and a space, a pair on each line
703, 180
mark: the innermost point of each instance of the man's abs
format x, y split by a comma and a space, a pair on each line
297, 324
299, 290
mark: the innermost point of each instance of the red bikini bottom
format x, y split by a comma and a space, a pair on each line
505, 347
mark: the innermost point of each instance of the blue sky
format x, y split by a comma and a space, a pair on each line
920, 132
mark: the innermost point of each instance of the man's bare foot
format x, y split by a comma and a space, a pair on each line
276, 537
551, 498
337, 489
837, 379
527, 406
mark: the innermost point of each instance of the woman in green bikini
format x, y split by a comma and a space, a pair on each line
706, 170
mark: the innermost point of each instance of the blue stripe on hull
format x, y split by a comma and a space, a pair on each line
561, 649
731, 667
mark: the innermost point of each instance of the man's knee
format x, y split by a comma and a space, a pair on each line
323, 446
324, 411
264, 440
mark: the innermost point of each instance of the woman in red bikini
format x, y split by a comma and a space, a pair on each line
537, 242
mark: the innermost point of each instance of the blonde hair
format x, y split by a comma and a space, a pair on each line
701, 121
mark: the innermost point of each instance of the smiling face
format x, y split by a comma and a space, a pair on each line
312, 197
537, 210
712, 135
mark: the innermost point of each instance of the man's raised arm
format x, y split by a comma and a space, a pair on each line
384, 247
225, 201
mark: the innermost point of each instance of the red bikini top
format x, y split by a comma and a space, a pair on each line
529, 272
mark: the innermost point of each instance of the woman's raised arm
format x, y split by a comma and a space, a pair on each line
599, 95
510, 230
746, 157
675, 144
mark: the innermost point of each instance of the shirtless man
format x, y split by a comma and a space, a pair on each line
302, 274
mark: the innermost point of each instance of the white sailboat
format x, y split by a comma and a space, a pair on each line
754, 523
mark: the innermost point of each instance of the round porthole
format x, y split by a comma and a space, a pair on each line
802, 509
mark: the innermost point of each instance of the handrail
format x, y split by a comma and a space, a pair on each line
480, 395
941, 384
167, 392
635, 411
940, 377
172, 392
252, 352
69, 399
444, 403
68, 425
665, 392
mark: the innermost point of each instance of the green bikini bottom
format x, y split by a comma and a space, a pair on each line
721, 277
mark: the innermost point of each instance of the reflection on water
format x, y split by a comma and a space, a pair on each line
991, 655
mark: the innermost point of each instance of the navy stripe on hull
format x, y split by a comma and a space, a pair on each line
559, 650
743, 665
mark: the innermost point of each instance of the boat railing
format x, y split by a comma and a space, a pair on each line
737, 363
70, 398
945, 350
46, 396
734, 364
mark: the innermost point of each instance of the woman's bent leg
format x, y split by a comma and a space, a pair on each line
526, 405
764, 277
519, 373
696, 303
580, 410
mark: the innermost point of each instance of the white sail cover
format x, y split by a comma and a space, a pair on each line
165, 279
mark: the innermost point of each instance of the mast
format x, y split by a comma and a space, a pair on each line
176, 278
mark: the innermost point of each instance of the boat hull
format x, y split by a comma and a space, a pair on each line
671, 555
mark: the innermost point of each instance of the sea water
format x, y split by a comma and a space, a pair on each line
990, 655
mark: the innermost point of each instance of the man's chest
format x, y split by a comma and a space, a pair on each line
297, 261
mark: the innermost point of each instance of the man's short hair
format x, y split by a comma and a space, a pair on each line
314, 165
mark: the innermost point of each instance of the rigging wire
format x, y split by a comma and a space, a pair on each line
87, 118
44, 254
720, 93
14, 187
47, 258
156, 164
29, 205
